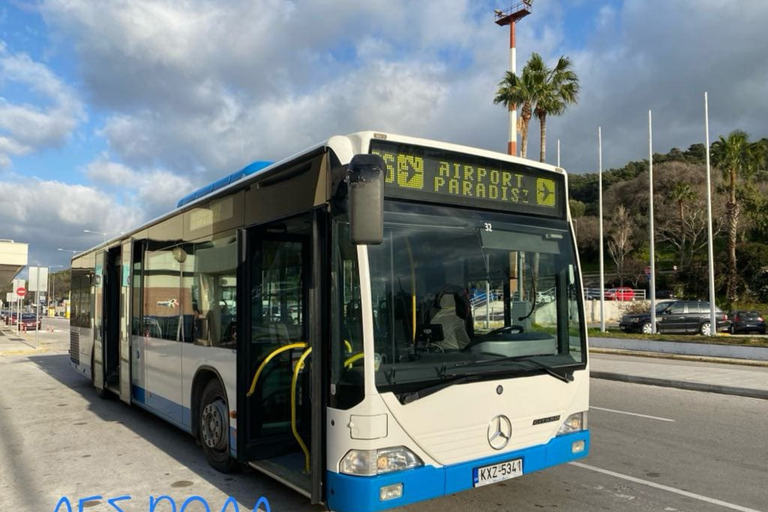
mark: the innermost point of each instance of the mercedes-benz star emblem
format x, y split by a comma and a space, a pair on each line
499, 432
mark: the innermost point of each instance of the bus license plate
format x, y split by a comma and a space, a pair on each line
486, 475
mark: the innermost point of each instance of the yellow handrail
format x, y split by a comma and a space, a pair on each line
274, 353
295, 430
413, 289
348, 345
348, 363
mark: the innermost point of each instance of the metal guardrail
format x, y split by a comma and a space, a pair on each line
619, 294
626, 294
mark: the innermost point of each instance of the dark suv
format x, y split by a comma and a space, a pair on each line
680, 316
746, 321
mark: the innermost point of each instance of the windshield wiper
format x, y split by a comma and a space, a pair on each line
449, 379
565, 377
452, 379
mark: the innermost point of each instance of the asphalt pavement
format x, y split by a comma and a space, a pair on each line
653, 448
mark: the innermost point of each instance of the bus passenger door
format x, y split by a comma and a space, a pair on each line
278, 348
97, 356
125, 323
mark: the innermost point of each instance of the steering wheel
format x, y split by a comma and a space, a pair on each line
517, 329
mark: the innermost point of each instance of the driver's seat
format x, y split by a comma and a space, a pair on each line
452, 311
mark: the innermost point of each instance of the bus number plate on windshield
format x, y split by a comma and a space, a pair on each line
497, 472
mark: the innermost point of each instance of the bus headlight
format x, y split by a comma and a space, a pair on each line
576, 422
377, 462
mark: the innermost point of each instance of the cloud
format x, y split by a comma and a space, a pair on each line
51, 215
202, 87
266, 79
665, 65
152, 192
28, 127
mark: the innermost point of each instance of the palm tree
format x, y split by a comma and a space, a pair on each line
523, 90
735, 156
560, 89
681, 193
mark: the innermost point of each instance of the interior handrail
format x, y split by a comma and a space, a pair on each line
294, 429
350, 360
277, 351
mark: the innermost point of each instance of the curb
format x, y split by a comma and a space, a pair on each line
679, 384
679, 357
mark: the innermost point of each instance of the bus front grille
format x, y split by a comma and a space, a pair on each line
74, 346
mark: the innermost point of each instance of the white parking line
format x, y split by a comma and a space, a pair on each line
631, 413
664, 488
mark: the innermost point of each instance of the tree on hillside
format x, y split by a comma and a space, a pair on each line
620, 240
681, 194
523, 90
736, 157
559, 89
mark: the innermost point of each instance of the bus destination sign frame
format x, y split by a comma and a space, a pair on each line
442, 176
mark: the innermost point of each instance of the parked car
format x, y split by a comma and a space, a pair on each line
621, 293
30, 322
746, 322
680, 316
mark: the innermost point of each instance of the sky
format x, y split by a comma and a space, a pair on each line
111, 111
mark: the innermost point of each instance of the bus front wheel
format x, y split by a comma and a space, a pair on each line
214, 427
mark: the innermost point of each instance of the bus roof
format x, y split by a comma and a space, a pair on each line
345, 147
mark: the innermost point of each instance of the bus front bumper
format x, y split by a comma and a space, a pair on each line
346, 493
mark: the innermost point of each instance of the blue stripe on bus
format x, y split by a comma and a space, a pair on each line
348, 493
167, 410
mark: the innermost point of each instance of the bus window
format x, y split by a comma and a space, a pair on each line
209, 287
347, 338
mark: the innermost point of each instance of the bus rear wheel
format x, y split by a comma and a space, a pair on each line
214, 427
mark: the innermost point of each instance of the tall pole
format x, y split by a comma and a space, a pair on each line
558, 152
600, 197
712, 319
652, 276
38, 322
512, 144
511, 17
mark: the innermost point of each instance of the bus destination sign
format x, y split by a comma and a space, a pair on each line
436, 175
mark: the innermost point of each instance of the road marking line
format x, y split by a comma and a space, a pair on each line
631, 413
665, 488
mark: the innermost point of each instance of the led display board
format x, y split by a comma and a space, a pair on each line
437, 175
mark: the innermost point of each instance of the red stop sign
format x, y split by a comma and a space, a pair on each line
21, 292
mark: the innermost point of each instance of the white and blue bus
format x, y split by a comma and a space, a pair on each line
375, 321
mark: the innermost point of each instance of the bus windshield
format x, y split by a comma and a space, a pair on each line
460, 293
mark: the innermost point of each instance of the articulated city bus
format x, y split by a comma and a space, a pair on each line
375, 321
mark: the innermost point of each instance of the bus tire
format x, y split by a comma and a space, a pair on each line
213, 428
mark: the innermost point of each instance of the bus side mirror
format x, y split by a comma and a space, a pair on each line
365, 179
